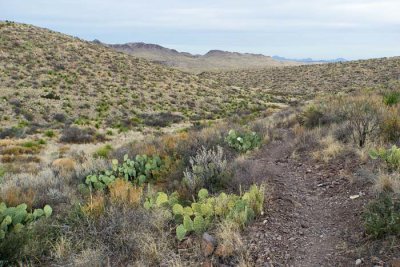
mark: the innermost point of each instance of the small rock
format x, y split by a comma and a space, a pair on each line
208, 244
358, 262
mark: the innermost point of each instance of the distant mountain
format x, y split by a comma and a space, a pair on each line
214, 60
310, 60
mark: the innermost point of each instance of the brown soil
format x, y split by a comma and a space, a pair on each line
310, 219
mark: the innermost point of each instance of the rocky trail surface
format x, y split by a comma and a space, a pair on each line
310, 219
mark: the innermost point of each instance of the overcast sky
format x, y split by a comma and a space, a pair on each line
292, 28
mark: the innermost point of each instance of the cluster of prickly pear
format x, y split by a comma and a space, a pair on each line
138, 171
100, 182
243, 142
198, 216
15, 218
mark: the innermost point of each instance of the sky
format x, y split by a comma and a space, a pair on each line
321, 29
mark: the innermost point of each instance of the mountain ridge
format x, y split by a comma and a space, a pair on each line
213, 60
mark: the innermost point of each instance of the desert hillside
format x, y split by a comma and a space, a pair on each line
45, 75
315, 79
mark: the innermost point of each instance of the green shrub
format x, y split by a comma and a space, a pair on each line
382, 217
391, 98
391, 157
49, 133
243, 142
311, 117
103, 152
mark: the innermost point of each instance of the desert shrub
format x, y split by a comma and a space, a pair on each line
51, 95
162, 119
343, 133
207, 170
311, 117
209, 138
60, 117
122, 235
391, 98
17, 195
390, 156
48, 188
390, 126
13, 132
75, 134
49, 133
243, 141
364, 116
382, 216
103, 152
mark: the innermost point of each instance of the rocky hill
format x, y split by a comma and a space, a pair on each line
214, 60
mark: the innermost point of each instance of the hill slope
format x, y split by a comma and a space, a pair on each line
44, 73
214, 60
317, 78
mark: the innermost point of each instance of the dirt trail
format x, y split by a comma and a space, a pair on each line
310, 219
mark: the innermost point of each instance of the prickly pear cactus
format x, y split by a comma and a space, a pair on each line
181, 232
203, 194
14, 219
199, 224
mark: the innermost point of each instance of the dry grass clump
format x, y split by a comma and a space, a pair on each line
124, 235
230, 241
122, 191
388, 183
331, 148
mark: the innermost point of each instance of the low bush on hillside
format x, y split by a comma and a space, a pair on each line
390, 126
162, 119
78, 135
382, 216
103, 152
391, 98
208, 169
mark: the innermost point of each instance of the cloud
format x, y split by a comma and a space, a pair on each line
305, 27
